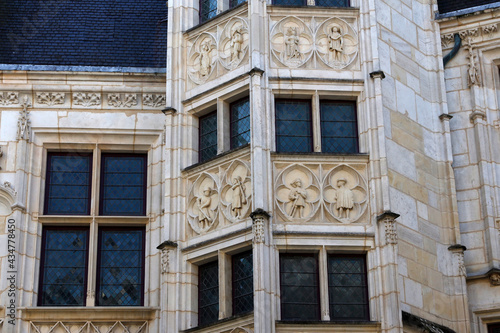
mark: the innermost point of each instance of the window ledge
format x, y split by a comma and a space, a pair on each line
329, 326
88, 313
78, 219
216, 158
224, 324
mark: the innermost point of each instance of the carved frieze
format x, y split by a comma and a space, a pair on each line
9, 98
91, 326
320, 193
50, 98
87, 99
117, 100
154, 100
220, 196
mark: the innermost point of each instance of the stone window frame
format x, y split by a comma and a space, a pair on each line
313, 3
223, 257
222, 5
316, 99
322, 254
95, 142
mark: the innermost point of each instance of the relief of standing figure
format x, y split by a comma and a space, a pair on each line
239, 198
335, 44
298, 198
206, 58
344, 199
236, 44
292, 50
204, 202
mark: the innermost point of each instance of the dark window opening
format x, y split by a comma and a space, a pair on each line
208, 10
332, 3
293, 126
242, 283
290, 2
234, 3
208, 136
494, 328
208, 290
339, 130
240, 123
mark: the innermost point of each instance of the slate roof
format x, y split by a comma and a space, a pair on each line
446, 6
110, 33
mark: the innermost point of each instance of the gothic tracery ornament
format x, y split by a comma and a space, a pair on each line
203, 204
24, 123
50, 98
87, 99
236, 191
336, 43
292, 42
9, 98
202, 58
233, 43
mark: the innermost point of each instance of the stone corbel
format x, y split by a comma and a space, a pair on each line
458, 253
377, 75
477, 114
494, 276
259, 218
445, 116
389, 220
165, 249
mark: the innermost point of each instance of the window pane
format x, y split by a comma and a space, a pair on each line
347, 288
64, 267
293, 126
240, 123
208, 136
299, 287
242, 283
494, 328
234, 3
208, 9
290, 2
339, 129
68, 184
121, 266
208, 287
332, 3
123, 185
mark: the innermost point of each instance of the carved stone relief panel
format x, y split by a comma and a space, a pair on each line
313, 192
118, 100
154, 100
87, 99
219, 196
313, 42
233, 43
50, 98
9, 98
202, 58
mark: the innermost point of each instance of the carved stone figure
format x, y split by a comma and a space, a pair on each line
474, 78
206, 58
495, 279
24, 123
298, 198
335, 44
236, 44
292, 50
239, 197
344, 199
203, 202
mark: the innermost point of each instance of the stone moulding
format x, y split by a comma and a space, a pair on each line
87, 99
122, 100
154, 100
425, 325
9, 98
50, 98
93, 327
24, 123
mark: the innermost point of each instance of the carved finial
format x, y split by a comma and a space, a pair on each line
23, 123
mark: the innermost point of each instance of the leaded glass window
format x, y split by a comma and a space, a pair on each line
347, 288
208, 9
339, 130
63, 270
240, 123
208, 136
208, 287
494, 328
120, 280
123, 185
293, 126
299, 287
234, 3
242, 283
290, 2
332, 3
68, 184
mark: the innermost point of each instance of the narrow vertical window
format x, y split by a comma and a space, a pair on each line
208, 136
240, 123
208, 9
123, 184
293, 126
347, 288
63, 273
68, 184
120, 275
339, 130
208, 288
332, 3
242, 283
299, 287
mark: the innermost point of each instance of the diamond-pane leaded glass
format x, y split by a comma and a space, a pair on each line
242, 283
234, 3
64, 267
208, 287
208, 9
339, 130
240, 123
68, 184
290, 2
332, 3
123, 188
208, 136
121, 263
293, 126
299, 287
347, 289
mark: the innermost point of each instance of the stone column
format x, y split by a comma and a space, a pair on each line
264, 315
168, 285
459, 296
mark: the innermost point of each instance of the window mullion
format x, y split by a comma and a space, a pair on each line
323, 284
225, 284
92, 266
316, 122
96, 173
223, 126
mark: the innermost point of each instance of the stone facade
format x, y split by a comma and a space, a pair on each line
416, 201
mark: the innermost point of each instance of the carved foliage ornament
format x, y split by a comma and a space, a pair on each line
122, 100
89, 326
49, 98
24, 123
154, 100
87, 99
9, 98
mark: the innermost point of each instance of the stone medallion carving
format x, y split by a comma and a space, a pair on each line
297, 193
203, 205
233, 43
336, 43
345, 194
292, 42
202, 57
236, 192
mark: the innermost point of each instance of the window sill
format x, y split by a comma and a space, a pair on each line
216, 158
329, 326
79, 219
224, 324
217, 16
88, 313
